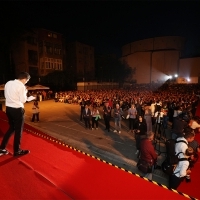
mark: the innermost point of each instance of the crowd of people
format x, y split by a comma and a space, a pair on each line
172, 104
147, 109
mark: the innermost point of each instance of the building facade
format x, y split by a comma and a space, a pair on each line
153, 59
51, 51
39, 52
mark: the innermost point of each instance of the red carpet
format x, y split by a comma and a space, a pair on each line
55, 171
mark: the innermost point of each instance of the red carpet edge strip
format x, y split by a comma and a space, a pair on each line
45, 136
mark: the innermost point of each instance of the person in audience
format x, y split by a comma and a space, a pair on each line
182, 170
158, 120
82, 105
132, 113
107, 115
140, 131
86, 116
16, 95
95, 117
182, 146
194, 124
148, 153
148, 118
179, 124
117, 113
35, 111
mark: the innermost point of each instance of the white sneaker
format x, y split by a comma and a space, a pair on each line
3, 152
137, 152
115, 131
119, 132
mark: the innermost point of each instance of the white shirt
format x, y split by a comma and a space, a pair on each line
181, 146
158, 117
181, 168
94, 113
152, 107
15, 94
195, 125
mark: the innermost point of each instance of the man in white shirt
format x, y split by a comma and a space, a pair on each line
182, 146
182, 170
15, 94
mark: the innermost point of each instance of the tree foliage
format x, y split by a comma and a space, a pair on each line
110, 69
59, 80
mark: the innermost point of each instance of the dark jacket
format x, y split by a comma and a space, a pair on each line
88, 114
147, 151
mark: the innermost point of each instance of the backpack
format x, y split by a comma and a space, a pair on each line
172, 159
168, 168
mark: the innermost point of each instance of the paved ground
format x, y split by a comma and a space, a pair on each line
61, 121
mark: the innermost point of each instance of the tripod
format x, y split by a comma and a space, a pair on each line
160, 135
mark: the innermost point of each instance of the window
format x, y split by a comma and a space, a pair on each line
31, 40
47, 65
48, 48
49, 34
54, 35
57, 49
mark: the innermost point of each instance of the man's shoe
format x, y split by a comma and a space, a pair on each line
3, 152
115, 131
21, 152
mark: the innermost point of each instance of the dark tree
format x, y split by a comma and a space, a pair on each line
111, 69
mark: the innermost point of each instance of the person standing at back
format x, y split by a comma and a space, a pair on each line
15, 94
132, 113
107, 115
35, 111
86, 116
117, 112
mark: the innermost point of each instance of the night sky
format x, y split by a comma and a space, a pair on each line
108, 25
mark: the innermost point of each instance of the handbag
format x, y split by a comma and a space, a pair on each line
144, 166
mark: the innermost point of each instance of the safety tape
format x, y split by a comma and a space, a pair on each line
46, 136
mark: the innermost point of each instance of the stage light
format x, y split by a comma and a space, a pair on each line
176, 75
188, 79
170, 76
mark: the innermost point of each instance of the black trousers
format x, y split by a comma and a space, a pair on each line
81, 114
16, 124
35, 115
175, 181
107, 121
87, 122
132, 123
94, 122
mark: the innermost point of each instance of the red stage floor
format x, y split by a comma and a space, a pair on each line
56, 171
